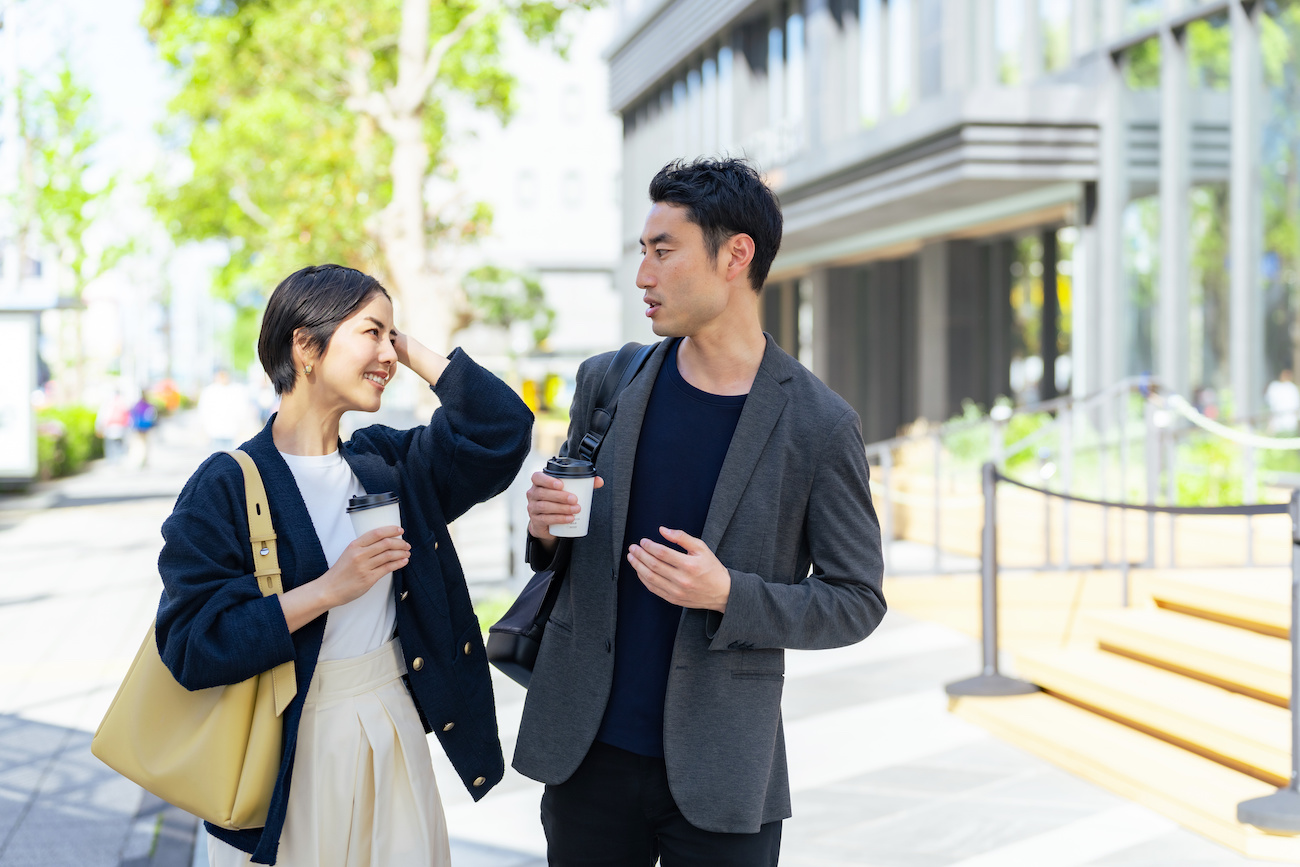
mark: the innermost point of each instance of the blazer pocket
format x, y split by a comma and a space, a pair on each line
558, 626
765, 664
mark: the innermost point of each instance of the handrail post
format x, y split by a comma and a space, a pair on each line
1249, 495
1066, 420
887, 507
1153, 475
1280, 811
989, 682
938, 490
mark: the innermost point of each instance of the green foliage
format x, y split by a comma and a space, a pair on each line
1210, 472
491, 609
66, 440
286, 164
501, 298
1142, 65
1279, 461
57, 126
970, 444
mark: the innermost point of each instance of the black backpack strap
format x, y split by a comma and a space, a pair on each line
627, 363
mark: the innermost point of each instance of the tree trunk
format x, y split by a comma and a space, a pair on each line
402, 233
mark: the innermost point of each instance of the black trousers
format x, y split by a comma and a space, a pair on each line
616, 811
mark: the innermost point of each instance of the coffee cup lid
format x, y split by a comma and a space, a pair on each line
371, 501
570, 468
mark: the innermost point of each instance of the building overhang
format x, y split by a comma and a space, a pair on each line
664, 35
986, 158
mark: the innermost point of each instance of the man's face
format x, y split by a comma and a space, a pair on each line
684, 288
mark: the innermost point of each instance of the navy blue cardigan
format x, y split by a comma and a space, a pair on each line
215, 627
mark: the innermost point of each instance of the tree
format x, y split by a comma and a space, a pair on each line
57, 200
317, 131
503, 298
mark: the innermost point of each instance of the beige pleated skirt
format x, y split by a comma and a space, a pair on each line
363, 792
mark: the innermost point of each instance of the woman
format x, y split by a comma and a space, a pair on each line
356, 783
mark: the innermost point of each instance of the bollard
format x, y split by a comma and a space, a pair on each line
989, 682
1280, 811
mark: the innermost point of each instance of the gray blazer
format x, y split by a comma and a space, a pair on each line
792, 495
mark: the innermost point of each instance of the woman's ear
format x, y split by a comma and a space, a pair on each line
303, 354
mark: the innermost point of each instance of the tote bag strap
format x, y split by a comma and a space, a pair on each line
266, 565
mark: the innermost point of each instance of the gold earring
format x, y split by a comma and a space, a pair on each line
307, 370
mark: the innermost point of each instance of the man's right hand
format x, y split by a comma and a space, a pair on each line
549, 504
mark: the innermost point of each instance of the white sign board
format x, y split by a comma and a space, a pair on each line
17, 418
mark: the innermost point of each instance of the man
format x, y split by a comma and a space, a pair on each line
654, 712
1283, 399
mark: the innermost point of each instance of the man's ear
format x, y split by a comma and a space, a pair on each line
739, 250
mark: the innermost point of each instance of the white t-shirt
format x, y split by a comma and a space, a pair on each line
365, 623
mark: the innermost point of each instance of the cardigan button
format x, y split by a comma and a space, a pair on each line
417, 663
405, 593
449, 726
478, 781
468, 648
435, 546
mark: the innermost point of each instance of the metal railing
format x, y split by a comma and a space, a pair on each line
1276, 813
1101, 440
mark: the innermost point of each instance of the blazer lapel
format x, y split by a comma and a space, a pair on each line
763, 408
618, 452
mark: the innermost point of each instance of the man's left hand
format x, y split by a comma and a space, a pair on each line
696, 579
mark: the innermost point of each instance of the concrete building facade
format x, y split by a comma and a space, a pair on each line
991, 198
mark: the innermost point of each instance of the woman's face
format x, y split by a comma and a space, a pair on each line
360, 359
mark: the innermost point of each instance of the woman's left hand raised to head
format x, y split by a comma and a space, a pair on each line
426, 363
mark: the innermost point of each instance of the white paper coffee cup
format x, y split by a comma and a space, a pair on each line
374, 510
579, 478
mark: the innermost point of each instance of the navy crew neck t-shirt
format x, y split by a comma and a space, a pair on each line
684, 440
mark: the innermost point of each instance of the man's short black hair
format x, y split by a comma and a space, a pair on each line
724, 197
315, 299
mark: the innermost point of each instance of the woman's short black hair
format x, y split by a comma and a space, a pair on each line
315, 299
725, 197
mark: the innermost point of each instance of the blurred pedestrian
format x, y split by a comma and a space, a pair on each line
654, 711
143, 416
380, 628
1283, 399
112, 421
225, 411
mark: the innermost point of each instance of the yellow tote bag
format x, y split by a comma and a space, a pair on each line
214, 752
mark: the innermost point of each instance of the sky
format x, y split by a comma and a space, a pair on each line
111, 52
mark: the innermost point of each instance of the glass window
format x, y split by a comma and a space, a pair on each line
931, 47
1140, 223
871, 51
775, 74
1209, 63
900, 55
1141, 13
1008, 38
726, 99
1280, 182
795, 63
1055, 18
694, 113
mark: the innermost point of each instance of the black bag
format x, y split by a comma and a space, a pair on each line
513, 641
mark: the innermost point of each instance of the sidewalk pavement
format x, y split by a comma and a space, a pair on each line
882, 775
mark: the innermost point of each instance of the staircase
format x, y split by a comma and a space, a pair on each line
1179, 703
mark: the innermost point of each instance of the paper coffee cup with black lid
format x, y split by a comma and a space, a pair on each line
370, 511
579, 478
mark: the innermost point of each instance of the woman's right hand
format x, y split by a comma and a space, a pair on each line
365, 560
